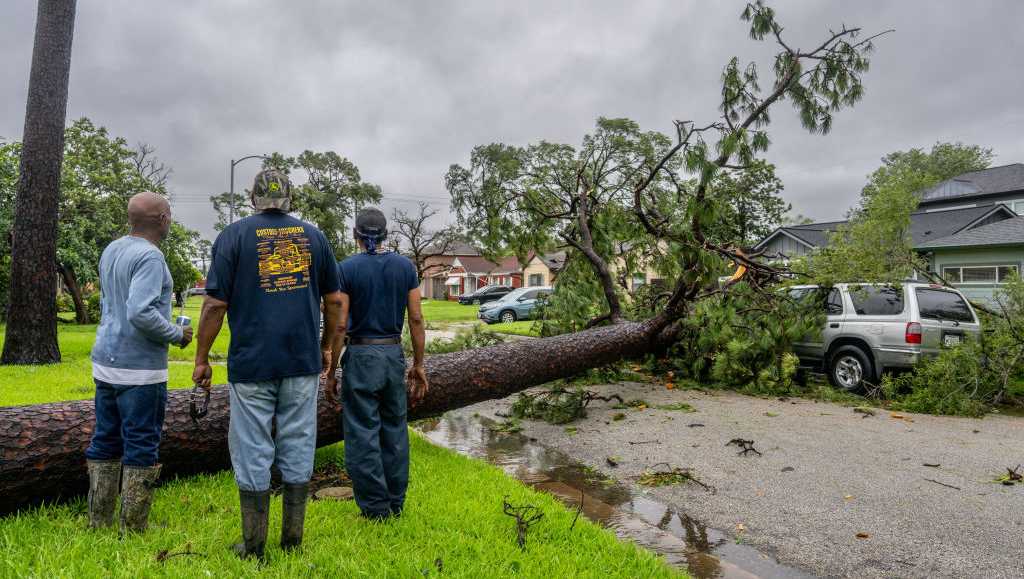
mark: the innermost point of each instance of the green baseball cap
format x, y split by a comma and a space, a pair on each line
271, 190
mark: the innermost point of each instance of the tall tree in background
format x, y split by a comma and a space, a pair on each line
409, 233
332, 193
31, 335
753, 208
945, 160
98, 176
875, 245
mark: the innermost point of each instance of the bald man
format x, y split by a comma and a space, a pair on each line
129, 366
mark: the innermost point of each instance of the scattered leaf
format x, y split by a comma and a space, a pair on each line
863, 535
848, 497
932, 465
771, 414
618, 416
613, 461
740, 527
669, 386
897, 416
788, 469
570, 430
677, 406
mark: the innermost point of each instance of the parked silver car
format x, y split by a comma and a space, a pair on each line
873, 328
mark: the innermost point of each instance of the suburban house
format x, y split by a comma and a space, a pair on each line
542, 269
966, 226
462, 270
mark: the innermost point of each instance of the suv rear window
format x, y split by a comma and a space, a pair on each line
876, 301
938, 304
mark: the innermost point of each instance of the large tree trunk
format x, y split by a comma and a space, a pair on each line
42, 446
32, 311
81, 312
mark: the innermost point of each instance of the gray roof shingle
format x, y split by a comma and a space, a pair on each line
1005, 232
924, 226
989, 181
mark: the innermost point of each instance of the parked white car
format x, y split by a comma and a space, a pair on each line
873, 328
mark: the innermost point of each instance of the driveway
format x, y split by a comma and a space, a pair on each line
834, 492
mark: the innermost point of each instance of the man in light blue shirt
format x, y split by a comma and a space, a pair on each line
129, 366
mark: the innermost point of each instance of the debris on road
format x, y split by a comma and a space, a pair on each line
745, 446
673, 476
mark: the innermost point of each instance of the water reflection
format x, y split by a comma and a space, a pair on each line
680, 539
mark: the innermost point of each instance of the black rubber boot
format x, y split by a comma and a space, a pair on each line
137, 484
293, 514
255, 516
104, 481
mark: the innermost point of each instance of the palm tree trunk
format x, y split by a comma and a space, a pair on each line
31, 336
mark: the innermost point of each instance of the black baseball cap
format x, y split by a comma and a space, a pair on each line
370, 222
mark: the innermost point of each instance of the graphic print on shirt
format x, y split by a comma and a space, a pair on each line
284, 258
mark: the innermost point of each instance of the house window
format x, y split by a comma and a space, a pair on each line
536, 279
980, 274
1017, 206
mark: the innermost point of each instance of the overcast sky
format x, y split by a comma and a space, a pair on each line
404, 89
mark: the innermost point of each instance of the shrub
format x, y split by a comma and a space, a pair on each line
65, 303
92, 306
955, 382
969, 379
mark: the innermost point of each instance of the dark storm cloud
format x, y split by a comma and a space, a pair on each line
404, 89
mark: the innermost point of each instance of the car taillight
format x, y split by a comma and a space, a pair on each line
913, 334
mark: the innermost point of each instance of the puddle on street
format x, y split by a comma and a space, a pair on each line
681, 540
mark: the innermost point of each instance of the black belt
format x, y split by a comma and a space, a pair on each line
374, 341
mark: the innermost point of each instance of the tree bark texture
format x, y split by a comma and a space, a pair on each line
31, 336
71, 282
42, 446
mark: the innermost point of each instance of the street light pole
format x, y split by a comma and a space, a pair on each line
231, 192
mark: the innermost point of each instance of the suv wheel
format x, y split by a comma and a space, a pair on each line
848, 368
508, 316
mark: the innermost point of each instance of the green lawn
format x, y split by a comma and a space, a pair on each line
523, 328
453, 520
72, 378
442, 311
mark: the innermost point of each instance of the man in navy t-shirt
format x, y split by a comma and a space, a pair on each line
269, 274
377, 290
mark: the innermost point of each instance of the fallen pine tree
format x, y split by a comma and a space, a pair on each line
42, 446
666, 198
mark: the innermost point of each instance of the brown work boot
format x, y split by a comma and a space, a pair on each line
255, 518
137, 487
293, 514
104, 479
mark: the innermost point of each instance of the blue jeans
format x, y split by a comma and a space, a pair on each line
376, 433
255, 443
129, 420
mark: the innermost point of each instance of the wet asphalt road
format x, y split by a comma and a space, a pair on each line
836, 493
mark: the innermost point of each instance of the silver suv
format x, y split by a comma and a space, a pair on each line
874, 328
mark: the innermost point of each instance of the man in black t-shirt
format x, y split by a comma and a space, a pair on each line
270, 272
377, 290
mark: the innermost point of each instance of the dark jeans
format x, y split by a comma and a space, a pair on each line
376, 433
129, 420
